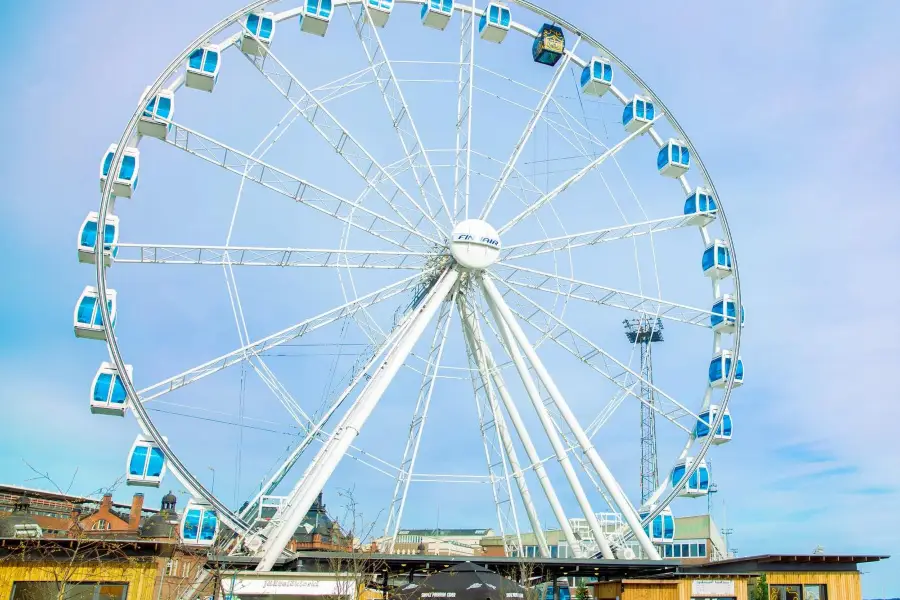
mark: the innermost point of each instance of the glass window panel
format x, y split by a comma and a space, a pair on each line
708, 256
628, 114
814, 592
677, 550
607, 73
504, 17
662, 158
211, 62
639, 109
155, 465
208, 529
693, 550
685, 156
86, 309
650, 111
702, 549
253, 24
89, 234
126, 171
107, 162
109, 234
138, 461
118, 391
196, 59
585, 75
101, 390
191, 528
265, 30
112, 591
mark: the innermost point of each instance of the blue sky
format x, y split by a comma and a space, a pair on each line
790, 105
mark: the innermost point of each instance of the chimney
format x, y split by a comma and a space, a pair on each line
137, 505
106, 502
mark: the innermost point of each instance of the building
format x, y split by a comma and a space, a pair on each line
436, 542
556, 541
57, 513
697, 540
319, 532
52, 568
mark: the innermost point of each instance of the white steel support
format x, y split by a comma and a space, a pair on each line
526, 134
478, 350
256, 256
417, 426
562, 456
336, 135
532, 208
505, 318
386, 80
465, 87
332, 452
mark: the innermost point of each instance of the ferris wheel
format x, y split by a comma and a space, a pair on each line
469, 192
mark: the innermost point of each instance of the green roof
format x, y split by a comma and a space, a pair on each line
447, 532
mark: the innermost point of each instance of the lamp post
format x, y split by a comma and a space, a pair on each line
212, 488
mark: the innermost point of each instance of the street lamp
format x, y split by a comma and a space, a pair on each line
212, 488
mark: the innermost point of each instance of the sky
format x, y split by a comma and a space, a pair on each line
789, 104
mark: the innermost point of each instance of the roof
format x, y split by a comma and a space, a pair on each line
100, 549
786, 562
34, 493
448, 532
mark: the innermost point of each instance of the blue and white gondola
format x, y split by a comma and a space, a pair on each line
494, 23
436, 13
199, 524
701, 207
698, 483
156, 119
380, 11
146, 465
259, 29
724, 315
549, 45
702, 429
87, 238
717, 260
126, 182
202, 70
662, 528
637, 113
596, 77
315, 17
88, 318
108, 395
673, 159
720, 369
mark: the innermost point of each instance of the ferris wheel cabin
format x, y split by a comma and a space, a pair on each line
700, 206
258, 32
436, 13
662, 528
638, 113
720, 369
673, 159
702, 429
157, 117
549, 45
596, 77
146, 463
724, 315
717, 260
127, 180
380, 11
87, 238
88, 318
108, 395
202, 69
494, 23
315, 17
199, 524
698, 483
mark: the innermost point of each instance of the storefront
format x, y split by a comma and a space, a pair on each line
289, 586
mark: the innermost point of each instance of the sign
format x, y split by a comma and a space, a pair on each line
712, 588
294, 586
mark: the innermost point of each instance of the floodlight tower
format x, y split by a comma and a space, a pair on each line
645, 331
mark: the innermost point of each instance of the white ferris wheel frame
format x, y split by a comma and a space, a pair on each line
409, 331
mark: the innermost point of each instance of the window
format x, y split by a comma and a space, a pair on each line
101, 525
41, 590
798, 592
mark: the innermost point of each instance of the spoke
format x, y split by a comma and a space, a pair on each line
479, 361
612, 369
277, 536
513, 334
417, 426
526, 134
274, 340
350, 150
465, 85
598, 294
350, 212
577, 176
268, 257
401, 117
596, 236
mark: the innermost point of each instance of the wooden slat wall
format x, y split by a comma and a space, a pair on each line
841, 586
740, 586
139, 577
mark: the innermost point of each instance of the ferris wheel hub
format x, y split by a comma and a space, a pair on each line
475, 244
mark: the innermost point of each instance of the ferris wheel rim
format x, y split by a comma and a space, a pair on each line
182, 473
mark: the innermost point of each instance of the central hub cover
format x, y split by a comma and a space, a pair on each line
475, 244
